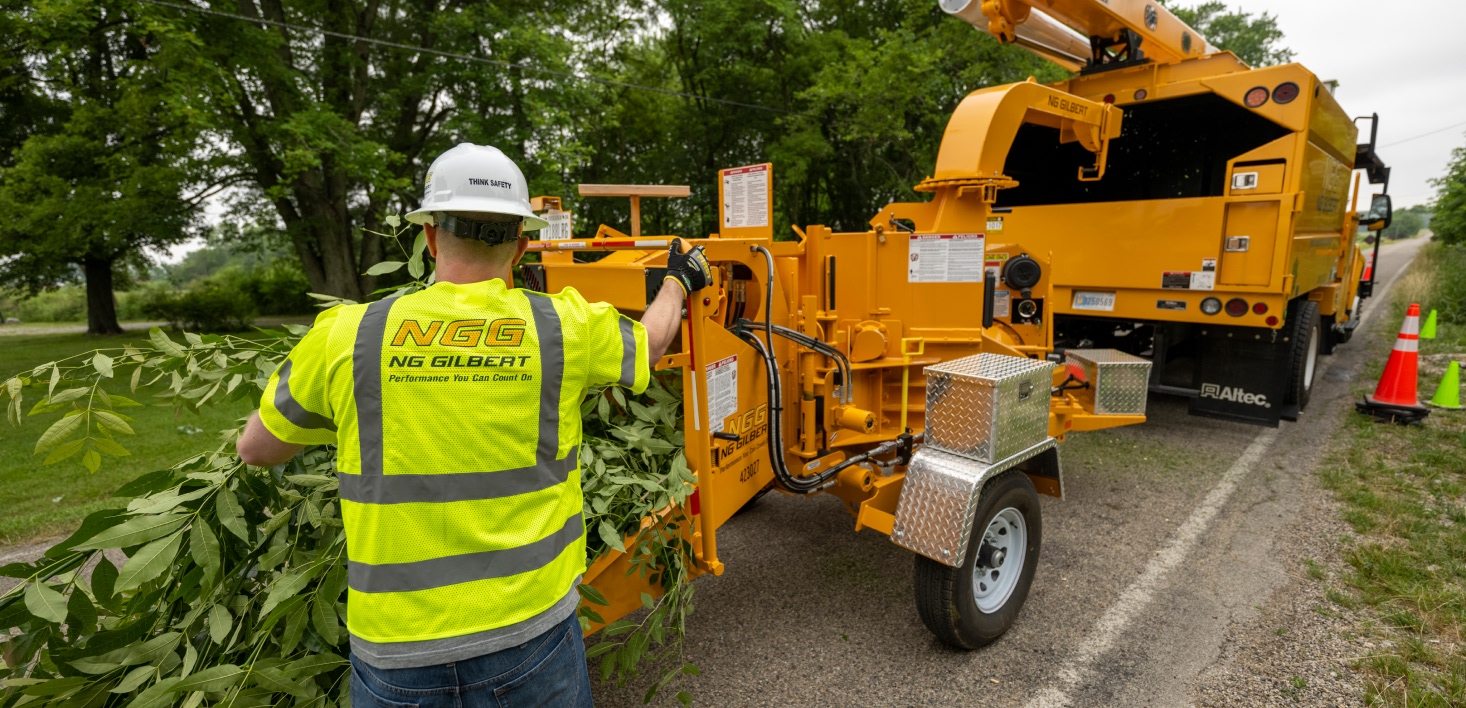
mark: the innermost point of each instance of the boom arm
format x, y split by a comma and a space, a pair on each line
1078, 34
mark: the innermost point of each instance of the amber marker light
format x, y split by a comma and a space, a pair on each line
1285, 92
1256, 97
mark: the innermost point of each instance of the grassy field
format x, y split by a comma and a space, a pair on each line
38, 502
1403, 488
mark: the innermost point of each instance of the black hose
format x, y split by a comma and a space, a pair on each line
808, 342
768, 300
798, 485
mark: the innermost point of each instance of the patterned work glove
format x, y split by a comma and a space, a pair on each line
690, 269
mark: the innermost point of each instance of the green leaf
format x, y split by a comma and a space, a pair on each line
103, 364
164, 344
139, 530
274, 681
81, 614
64, 450
593, 595
94, 665
600, 649
323, 618
113, 421
415, 266
684, 698
134, 678
294, 628
104, 580
110, 447
119, 401
45, 602
609, 536
149, 562
157, 695
203, 545
92, 460
285, 587
618, 628
149, 483
220, 622
59, 431
212, 679
385, 267
230, 514
55, 687
648, 601
312, 665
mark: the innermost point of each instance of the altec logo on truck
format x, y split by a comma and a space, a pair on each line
1234, 394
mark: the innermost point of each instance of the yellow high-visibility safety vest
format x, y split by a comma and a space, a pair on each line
456, 412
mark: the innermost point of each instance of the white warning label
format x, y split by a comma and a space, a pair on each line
746, 197
944, 258
720, 380
559, 228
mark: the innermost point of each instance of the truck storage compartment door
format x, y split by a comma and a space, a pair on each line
1248, 239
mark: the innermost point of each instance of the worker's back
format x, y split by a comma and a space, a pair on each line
456, 412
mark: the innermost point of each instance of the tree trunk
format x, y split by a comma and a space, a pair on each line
101, 303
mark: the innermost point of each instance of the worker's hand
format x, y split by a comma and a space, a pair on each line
690, 269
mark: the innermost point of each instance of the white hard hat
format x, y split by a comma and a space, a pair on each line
476, 178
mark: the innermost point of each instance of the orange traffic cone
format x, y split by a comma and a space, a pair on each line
1395, 397
1368, 275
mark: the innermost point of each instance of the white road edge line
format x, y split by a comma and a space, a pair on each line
1139, 595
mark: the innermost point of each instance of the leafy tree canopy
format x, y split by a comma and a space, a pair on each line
1254, 39
1449, 220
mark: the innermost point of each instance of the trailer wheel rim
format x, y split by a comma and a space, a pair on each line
993, 582
1311, 362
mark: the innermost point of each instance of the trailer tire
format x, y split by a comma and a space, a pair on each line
946, 599
1305, 337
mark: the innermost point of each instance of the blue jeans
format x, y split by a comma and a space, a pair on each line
548, 670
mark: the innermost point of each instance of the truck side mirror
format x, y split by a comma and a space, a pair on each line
1380, 213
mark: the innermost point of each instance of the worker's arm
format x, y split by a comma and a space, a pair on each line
259, 447
687, 273
662, 319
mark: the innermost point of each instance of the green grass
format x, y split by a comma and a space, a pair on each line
45, 501
1403, 488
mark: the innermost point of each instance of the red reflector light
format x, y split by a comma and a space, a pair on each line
1259, 308
1109, 98
1236, 307
1140, 94
1256, 97
1285, 92
1272, 321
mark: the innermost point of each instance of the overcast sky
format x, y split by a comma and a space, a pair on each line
1402, 59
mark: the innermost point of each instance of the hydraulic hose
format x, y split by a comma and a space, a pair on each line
798, 485
808, 342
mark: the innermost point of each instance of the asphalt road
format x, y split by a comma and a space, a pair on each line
1166, 538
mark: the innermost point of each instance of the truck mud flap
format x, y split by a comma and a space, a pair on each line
1241, 375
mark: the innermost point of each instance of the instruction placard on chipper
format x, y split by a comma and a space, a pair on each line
746, 197
944, 258
721, 382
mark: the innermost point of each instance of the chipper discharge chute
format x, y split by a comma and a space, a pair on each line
862, 365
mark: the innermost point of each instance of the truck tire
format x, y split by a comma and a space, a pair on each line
973, 604
1305, 342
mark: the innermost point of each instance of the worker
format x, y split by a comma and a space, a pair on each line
456, 415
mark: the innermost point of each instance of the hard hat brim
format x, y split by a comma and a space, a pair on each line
479, 205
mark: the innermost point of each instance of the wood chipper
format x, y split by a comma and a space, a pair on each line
867, 366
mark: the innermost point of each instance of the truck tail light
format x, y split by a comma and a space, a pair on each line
1236, 307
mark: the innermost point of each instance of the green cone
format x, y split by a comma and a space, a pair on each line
1427, 330
1449, 393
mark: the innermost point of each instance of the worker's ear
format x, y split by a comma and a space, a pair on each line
432, 233
519, 249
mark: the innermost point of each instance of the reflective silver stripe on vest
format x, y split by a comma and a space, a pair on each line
366, 379
463, 568
628, 353
291, 408
552, 372
454, 487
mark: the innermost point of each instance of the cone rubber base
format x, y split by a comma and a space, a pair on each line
1392, 411
1445, 408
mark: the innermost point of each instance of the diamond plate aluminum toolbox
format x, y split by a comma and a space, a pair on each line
1118, 382
988, 406
939, 499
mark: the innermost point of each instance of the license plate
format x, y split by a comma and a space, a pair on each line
1088, 300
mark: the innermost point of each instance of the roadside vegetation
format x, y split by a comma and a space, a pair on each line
1403, 489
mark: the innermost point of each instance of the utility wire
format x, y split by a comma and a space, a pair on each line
466, 57
1422, 135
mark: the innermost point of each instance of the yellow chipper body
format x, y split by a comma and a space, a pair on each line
924, 370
